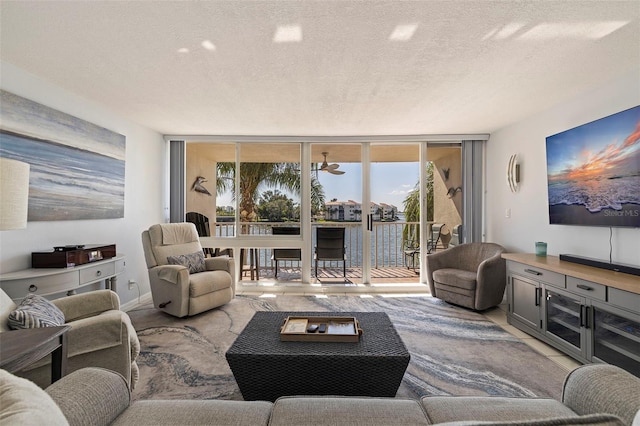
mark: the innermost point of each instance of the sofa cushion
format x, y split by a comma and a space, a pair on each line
589, 420
34, 312
194, 262
24, 403
442, 409
353, 411
203, 412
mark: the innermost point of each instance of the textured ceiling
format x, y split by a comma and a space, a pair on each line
469, 67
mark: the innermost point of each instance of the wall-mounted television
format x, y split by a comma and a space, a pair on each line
593, 172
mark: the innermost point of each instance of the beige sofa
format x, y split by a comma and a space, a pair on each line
596, 394
101, 335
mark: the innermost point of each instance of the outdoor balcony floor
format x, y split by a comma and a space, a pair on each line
333, 276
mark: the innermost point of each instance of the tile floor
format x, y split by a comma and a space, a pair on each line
497, 315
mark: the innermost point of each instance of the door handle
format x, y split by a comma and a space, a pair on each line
369, 222
586, 317
538, 291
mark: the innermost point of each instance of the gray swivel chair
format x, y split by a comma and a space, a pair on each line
471, 275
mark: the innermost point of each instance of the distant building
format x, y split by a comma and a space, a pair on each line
389, 212
352, 211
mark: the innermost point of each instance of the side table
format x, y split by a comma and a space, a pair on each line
21, 348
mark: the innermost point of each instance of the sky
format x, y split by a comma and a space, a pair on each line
390, 183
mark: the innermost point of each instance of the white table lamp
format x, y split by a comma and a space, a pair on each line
14, 194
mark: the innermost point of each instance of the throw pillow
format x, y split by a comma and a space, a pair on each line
193, 261
24, 403
34, 312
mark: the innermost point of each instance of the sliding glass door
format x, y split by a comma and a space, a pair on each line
385, 195
338, 171
394, 213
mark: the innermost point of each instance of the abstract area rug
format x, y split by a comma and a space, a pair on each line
454, 351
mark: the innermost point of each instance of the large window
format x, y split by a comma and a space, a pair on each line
387, 194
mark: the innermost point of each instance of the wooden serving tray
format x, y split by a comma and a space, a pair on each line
338, 329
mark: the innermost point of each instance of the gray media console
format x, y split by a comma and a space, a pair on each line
588, 313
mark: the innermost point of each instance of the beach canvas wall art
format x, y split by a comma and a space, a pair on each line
594, 172
77, 168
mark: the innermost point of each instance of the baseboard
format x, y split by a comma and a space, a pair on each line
145, 298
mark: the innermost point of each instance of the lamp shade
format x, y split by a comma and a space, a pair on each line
14, 194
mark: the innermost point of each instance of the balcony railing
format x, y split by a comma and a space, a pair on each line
387, 249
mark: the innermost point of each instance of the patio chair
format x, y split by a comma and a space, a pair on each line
434, 238
456, 236
202, 226
285, 254
330, 247
411, 251
204, 230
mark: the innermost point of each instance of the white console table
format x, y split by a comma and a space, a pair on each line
50, 281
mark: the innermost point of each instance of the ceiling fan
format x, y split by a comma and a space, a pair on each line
331, 168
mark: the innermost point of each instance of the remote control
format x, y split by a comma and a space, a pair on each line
312, 328
322, 328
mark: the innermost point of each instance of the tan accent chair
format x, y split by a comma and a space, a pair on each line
175, 290
471, 275
101, 335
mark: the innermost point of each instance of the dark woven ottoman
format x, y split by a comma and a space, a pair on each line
266, 368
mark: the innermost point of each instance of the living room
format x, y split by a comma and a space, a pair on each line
146, 176
557, 97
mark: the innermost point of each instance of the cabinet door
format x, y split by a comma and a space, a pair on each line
525, 303
616, 337
566, 319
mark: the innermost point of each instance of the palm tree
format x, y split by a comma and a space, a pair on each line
412, 206
254, 176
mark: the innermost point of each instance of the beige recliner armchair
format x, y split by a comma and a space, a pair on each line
471, 275
173, 254
101, 335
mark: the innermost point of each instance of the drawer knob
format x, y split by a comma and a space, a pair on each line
33, 288
98, 273
584, 287
531, 271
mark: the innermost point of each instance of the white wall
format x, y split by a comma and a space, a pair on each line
145, 188
529, 220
